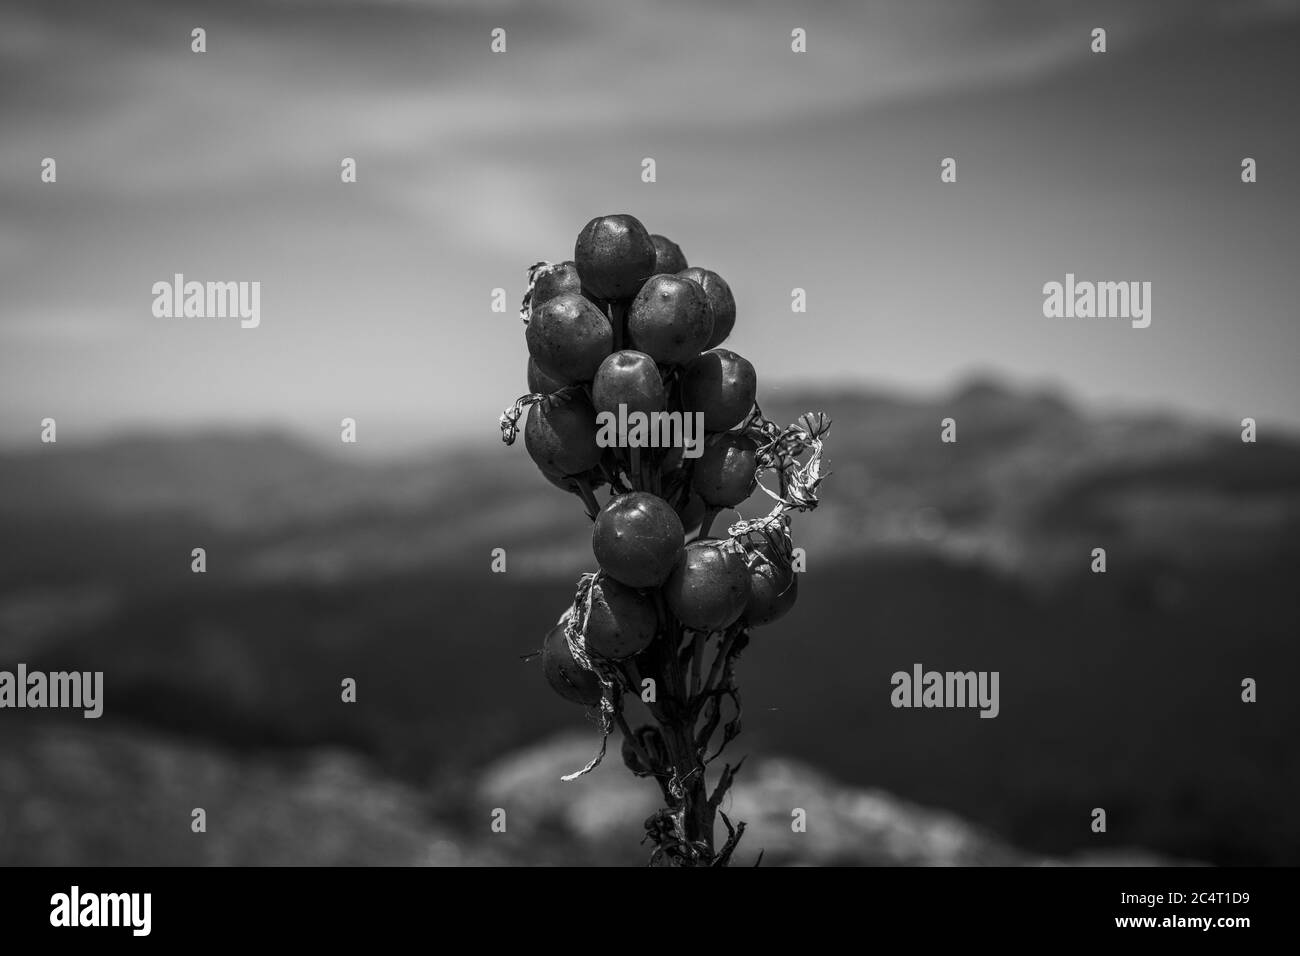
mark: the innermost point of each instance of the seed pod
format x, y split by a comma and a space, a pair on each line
569, 483
565, 675
670, 319
673, 458
726, 474
637, 538
540, 382
622, 621
569, 338
722, 385
652, 745
555, 279
773, 588
614, 256
632, 761
709, 587
721, 301
693, 514
668, 256
560, 435
628, 378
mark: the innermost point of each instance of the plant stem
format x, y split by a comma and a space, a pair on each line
616, 309
697, 664
683, 831
697, 814
685, 835
706, 525
588, 496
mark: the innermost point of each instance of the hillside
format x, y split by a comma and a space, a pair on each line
971, 555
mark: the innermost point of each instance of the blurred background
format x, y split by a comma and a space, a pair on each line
778, 170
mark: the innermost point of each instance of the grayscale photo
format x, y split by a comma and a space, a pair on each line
649, 434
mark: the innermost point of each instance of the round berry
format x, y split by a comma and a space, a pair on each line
555, 279
722, 385
668, 255
560, 435
566, 676
614, 256
773, 588
637, 538
628, 378
540, 382
622, 621
670, 319
569, 337
726, 473
721, 301
709, 587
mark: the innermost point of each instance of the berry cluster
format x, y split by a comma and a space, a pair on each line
628, 326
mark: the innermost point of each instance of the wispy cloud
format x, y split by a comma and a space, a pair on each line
472, 166
163, 120
60, 329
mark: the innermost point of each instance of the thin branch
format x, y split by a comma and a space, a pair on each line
725, 781
724, 651
712, 717
633, 741
734, 833
697, 663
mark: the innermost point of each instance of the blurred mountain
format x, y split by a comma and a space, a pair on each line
1029, 481
70, 795
976, 555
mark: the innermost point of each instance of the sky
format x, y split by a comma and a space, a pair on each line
817, 170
